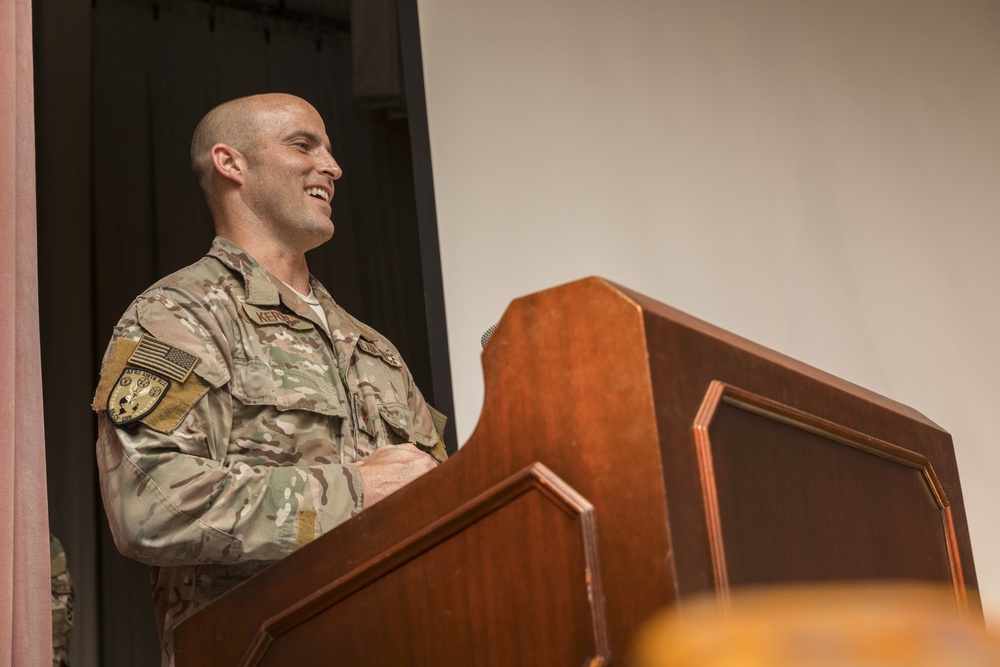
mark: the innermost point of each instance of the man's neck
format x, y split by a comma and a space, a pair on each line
285, 264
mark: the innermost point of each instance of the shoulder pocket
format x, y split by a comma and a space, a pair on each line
170, 322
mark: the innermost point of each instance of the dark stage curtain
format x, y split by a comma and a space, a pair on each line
117, 130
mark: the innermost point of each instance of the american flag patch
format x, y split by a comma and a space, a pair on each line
163, 358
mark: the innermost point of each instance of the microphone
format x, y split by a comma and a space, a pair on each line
488, 334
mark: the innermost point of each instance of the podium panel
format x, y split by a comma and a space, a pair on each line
793, 497
528, 543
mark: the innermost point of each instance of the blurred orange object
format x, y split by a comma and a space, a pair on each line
876, 625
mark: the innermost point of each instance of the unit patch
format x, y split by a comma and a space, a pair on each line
264, 317
135, 395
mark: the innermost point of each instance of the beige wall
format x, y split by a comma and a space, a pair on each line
822, 177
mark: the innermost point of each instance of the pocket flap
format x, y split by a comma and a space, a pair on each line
257, 383
400, 419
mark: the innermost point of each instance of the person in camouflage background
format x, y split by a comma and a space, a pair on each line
242, 413
62, 603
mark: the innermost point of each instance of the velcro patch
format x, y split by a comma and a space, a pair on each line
130, 393
264, 317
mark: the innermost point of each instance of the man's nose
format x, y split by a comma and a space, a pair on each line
330, 167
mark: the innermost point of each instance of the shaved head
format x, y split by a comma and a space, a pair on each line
237, 123
265, 167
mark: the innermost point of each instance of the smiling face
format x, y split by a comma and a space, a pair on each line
290, 173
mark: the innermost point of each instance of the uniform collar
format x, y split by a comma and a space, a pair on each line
265, 290
261, 291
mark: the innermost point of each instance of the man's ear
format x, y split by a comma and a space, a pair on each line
228, 162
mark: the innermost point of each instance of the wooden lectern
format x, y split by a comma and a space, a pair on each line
628, 455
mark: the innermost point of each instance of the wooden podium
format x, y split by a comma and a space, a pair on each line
628, 455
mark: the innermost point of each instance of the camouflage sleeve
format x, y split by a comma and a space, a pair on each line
168, 505
173, 495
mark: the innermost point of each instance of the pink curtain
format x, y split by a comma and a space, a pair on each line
25, 616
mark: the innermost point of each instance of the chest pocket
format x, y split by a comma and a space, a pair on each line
400, 425
256, 382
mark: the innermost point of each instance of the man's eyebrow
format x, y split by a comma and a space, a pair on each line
314, 138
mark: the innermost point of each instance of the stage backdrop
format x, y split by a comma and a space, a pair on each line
819, 177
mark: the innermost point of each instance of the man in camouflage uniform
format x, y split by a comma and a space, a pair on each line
242, 413
62, 603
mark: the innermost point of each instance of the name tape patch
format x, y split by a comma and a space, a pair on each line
264, 317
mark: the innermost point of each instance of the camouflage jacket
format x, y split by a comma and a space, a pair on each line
229, 420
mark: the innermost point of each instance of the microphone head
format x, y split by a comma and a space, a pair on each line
488, 334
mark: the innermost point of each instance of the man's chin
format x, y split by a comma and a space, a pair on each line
327, 231
320, 235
